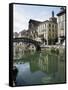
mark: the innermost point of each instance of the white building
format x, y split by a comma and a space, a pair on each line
47, 30
61, 24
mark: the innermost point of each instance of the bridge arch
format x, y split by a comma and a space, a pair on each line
30, 41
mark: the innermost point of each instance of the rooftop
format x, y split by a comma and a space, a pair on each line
62, 11
34, 21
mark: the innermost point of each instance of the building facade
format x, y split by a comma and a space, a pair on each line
61, 24
23, 33
33, 24
47, 31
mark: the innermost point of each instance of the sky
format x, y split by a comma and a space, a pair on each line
23, 13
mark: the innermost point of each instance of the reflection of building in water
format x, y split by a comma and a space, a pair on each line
34, 65
61, 69
20, 48
32, 47
49, 63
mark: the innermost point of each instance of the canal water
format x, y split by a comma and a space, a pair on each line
40, 68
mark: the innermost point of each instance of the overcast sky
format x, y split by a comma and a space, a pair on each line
23, 13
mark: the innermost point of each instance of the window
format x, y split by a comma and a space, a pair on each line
49, 29
62, 25
52, 26
62, 18
53, 30
38, 29
42, 26
49, 25
32, 46
52, 35
45, 25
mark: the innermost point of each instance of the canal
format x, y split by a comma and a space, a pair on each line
40, 68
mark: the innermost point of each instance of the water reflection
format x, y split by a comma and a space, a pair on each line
40, 68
